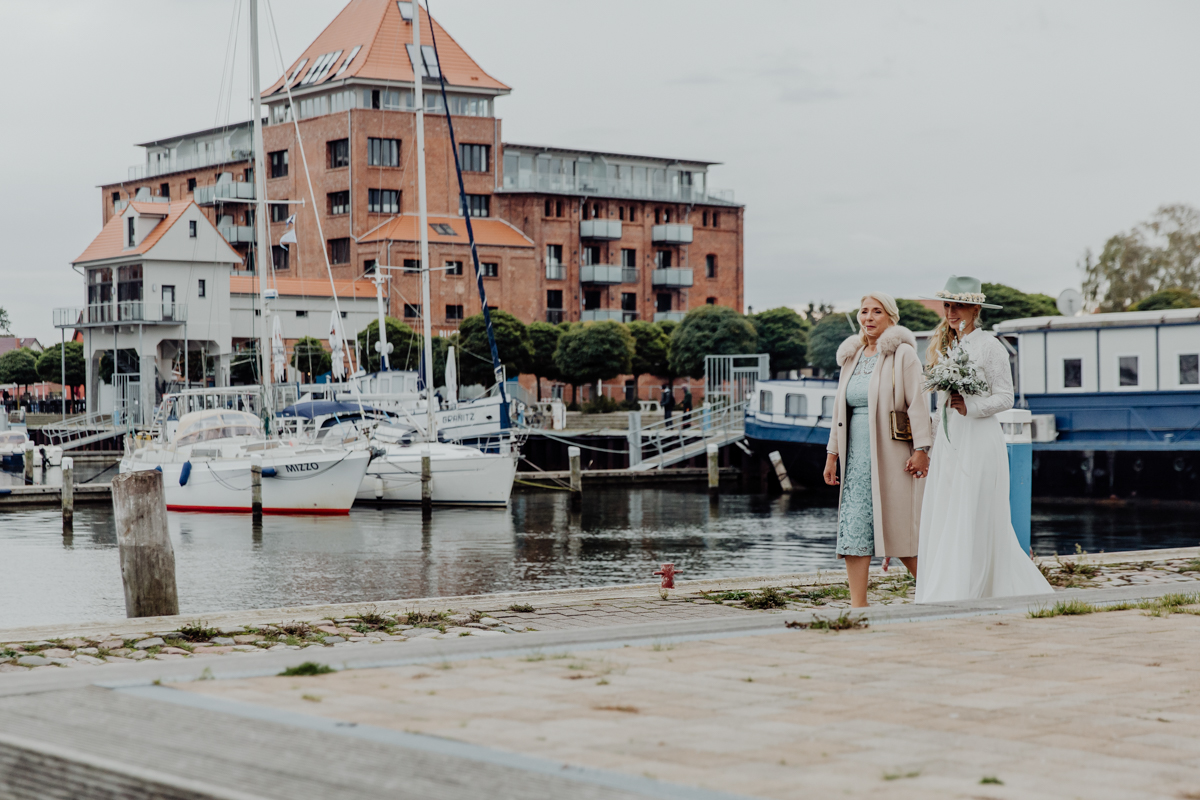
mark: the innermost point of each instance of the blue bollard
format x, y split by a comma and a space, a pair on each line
1017, 425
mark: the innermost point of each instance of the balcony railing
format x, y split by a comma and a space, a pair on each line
601, 314
669, 316
629, 275
671, 277
602, 230
601, 274
628, 316
238, 234
555, 315
555, 272
675, 233
140, 312
230, 191
604, 187
220, 154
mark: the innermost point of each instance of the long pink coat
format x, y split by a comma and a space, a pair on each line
896, 494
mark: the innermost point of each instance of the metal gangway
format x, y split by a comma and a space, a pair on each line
84, 429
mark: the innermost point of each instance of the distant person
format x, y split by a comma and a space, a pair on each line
686, 406
668, 404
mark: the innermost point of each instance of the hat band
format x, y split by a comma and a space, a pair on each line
962, 297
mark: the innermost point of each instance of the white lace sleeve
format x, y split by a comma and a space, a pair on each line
993, 358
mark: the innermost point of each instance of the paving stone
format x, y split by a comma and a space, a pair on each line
334, 640
174, 651
330, 629
223, 641
11, 668
247, 638
212, 650
230, 631
168, 657
89, 660
245, 648
74, 643
111, 644
56, 652
146, 644
86, 651
138, 655
32, 661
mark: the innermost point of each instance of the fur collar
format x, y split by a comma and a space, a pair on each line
891, 339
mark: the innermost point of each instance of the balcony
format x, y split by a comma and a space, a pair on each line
555, 272
601, 274
555, 315
132, 313
229, 192
602, 314
217, 153
241, 234
601, 230
671, 234
671, 278
669, 316
629, 316
606, 187
629, 275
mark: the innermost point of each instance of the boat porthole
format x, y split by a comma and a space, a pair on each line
1180, 464
1138, 466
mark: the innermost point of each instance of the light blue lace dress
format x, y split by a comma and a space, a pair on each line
856, 520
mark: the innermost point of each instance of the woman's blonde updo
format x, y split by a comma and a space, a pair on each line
889, 307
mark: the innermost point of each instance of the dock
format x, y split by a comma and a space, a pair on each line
26, 496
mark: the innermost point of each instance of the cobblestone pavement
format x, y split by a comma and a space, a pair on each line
362, 624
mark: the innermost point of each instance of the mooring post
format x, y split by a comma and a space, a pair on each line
576, 470
29, 462
635, 438
68, 494
714, 468
426, 484
256, 489
147, 558
785, 482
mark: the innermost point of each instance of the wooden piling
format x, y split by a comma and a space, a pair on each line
576, 470
29, 462
785, 482
256, 489
68, 494
714, 468
147, 558
426, 484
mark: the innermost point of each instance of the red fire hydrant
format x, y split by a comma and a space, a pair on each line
668, 573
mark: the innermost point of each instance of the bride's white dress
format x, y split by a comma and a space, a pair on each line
967, 547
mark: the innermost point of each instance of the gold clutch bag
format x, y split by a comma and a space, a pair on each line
901, 425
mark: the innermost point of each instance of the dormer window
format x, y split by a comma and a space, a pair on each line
130, 231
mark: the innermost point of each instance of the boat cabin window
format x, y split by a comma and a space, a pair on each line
1189, 369
1128, 368
795, 405
1072, 373
765, 402
827, 405
217, 425
12, 438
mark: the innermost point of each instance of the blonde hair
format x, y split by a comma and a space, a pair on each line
889, 307
943, 336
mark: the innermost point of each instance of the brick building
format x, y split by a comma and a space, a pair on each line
563, 235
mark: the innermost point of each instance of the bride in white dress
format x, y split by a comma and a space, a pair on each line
967, 547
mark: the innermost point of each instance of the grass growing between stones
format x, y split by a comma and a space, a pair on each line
769, 597
1062, 608
1158, 607
307, 668
522, 608
197, 631
842, 622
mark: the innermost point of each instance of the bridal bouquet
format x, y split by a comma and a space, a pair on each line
954, 372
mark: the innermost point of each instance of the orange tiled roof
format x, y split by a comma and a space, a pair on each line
111, 241
305, 287
376, 25
488, 231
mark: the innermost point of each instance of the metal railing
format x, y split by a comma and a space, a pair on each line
237, 234
669, 316
686, 435
583, 184
672, 276
601, 273
233, 191
555, 272
629, 275
555, 315
130, 311
221, 154
599, 314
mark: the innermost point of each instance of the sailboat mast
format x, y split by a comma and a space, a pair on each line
262, 244
423, 224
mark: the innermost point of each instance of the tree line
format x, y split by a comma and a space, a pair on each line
1153, 266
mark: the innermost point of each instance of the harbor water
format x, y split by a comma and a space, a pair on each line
617, 535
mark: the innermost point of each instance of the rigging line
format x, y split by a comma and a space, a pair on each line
225, 62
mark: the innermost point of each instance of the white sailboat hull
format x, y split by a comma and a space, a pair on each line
461, 476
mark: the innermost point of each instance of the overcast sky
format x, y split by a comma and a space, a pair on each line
875, 145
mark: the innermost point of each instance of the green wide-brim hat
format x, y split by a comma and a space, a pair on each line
963, 289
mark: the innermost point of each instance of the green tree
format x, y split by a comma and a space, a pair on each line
826, 337
651, 350
917, 317
244, 366
309, 356
706, 331
1167, 298
50, 365
1017, 305
405, 342
4, 321
783, 335
512, 345
543, 341
594, 351
1161, 253
19, 366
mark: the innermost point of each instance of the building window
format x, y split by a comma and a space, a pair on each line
558, 208
657, 216
710, 265
716, 220
553, 255
412, 265
383, 152
279, 163
479, 205
662, 259
191, 184
547, 211
591, 255
712, 301
1072, 373
766, 402
339, 251
164, 190
369, 266
339, 203
130, 233
827, 405
279, 256
442, 229
1189, 369
248, 174
705, 224
474, 157
628, 258
191, 229
383, 201
454, 268
412, 310
338, 152
1127, 367
554, 298
795, 405
621, 213
591, 299
489, 270
629, 301
301, 313
129, 292
116, 197
279, 212
200, 288
454, 313
663, 302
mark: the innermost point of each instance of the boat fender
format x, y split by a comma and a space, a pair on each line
5, 492
268, 472
185, 473
158, 468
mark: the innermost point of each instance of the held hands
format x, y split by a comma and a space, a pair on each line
831, 476
958, 403
918, 464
